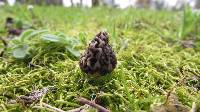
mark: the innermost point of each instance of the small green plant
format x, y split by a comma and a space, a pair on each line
189, 23
31, 41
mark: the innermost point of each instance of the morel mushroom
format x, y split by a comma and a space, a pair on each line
99, 56
9, 22
9, 25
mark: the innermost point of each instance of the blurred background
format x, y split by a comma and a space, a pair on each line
153, 4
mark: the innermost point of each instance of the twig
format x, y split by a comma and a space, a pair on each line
53, 108
47, 106
42, 108
80, 109
85, 101
43, 105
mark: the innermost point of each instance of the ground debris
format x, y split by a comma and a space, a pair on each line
170, 105
194, 82
90, 103
32, 97
188, 43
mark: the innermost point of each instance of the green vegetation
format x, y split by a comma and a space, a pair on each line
151, 59
190, 24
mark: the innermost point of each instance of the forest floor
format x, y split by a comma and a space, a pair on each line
151, 60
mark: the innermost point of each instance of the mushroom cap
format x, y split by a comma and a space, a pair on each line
99, 56
9, 20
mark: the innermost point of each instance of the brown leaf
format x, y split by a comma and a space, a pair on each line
171, 105
188, 43
32, 97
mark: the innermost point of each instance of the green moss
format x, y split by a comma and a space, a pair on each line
148, 66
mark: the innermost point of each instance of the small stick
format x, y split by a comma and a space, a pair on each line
80, 109
85, 101
54, 109
42, 108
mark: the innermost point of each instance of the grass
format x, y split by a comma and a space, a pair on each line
148, 51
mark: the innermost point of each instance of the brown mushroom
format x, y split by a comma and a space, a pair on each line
99, 56
9, 23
